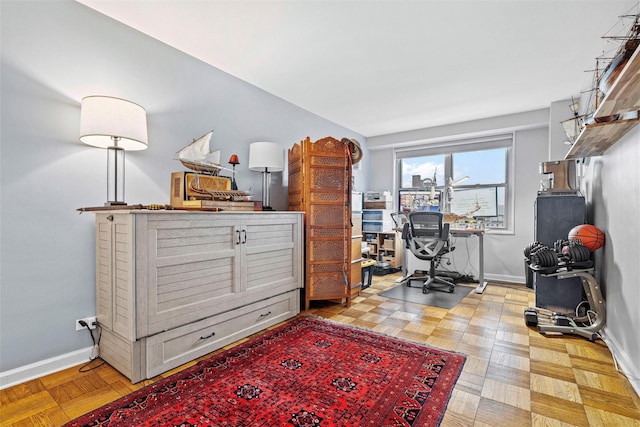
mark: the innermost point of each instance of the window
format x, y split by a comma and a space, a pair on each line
468, 177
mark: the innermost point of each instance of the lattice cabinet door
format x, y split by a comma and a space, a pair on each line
319, 186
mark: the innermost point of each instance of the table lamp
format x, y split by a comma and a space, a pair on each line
266, 157
117, 125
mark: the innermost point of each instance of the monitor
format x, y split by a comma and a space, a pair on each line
413, 200
478, 202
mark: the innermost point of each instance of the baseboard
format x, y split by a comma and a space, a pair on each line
49, 366
505, 278
44, 367
624, 361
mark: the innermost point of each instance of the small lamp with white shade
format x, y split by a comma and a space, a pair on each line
266, 157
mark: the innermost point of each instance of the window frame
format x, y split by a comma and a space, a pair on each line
453, 146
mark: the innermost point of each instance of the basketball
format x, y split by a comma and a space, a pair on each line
589, 235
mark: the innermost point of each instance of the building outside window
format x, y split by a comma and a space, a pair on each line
468, 177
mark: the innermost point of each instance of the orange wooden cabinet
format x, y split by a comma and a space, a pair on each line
320, 186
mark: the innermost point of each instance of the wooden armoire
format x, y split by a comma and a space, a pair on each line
320, 186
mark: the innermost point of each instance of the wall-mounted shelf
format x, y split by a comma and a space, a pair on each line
624, 97
596, 138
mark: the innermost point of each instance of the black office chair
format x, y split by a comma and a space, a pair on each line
428, 239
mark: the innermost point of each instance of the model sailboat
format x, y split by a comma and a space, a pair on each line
198, 157
627, 47
606, 72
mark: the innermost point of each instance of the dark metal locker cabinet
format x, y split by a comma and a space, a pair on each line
555, 216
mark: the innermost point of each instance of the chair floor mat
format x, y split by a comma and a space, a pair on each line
432, 298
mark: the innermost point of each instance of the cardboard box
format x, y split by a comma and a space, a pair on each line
389, 245
378, 205
356, 248
391, 260
356, 220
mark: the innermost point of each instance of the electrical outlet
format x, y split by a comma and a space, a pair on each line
91, 321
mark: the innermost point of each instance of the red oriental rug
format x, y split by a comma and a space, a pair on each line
306, 373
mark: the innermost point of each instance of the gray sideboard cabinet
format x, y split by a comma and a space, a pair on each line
172, 286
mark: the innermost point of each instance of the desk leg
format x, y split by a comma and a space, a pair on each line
405, 268
481, 283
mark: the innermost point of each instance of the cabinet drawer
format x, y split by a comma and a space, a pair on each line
356, 220
356, 277
356, 248
172, 348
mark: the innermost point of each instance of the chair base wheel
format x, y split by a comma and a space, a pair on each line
441, 288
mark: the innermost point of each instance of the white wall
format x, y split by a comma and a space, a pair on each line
612, 188
558, 111
54, 54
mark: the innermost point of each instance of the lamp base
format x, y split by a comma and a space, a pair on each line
267, 208
115, 204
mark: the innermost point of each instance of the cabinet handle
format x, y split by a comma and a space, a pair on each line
244, 235
265, 315
238, 241
208, 336
110, 218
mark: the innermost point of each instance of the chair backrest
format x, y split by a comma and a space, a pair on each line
428, 236
426, 224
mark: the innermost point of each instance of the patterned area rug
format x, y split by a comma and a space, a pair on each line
308, 373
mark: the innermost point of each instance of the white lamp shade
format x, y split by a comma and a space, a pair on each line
105, 117
266, 155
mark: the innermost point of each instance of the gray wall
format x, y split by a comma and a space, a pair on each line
54, 54
612, 188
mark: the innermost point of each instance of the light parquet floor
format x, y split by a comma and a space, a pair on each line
513, 376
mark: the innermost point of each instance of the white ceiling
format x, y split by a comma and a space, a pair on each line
380, 67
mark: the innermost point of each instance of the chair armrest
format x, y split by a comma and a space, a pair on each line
445, 231
406, 235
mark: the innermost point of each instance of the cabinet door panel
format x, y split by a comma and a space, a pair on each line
206, 280
192, 269
271, 268
270, 262
114, 273
104, 273
189, 241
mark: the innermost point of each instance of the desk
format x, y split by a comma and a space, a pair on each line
468, 232
459, 232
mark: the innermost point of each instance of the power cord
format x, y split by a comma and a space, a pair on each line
463, 275
591, 317
95, 350
603, 337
